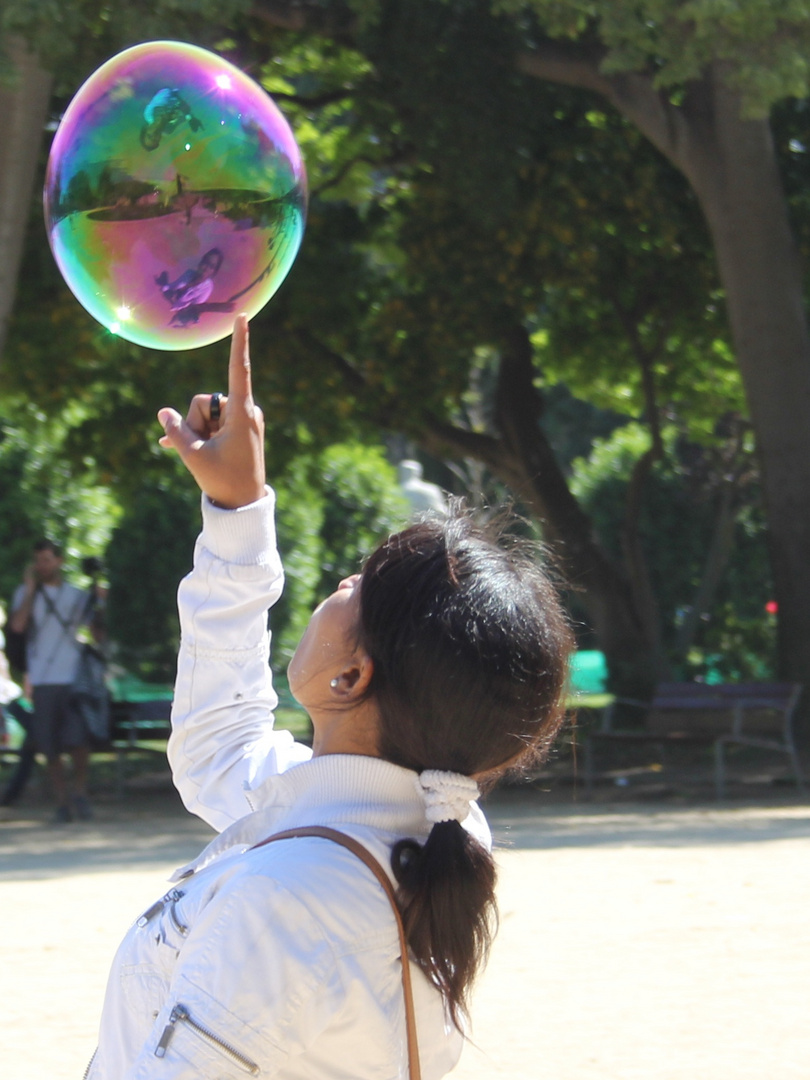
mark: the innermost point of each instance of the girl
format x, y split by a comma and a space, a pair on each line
427, 675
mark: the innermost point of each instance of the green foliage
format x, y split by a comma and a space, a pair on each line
299, 518
362, 504
149, 552
448, 205
316, 83
41, 496
761, 45
735, 645
452, 199
72, 37
333, 509
736, 638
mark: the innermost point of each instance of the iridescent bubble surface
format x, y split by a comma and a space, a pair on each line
175, 195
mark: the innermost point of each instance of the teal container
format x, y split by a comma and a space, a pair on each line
588, 672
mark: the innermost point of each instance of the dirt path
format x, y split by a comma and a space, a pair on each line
635, 942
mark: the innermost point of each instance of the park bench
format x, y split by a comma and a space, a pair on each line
138, 724
138, 727
757, 714
142, 724
135, 727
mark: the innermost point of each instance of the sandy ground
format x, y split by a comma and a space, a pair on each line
637, 940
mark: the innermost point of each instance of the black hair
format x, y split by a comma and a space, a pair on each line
48, 545
470, 646
218, 255
150, 136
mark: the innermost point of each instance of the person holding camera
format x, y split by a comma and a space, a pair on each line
49, 611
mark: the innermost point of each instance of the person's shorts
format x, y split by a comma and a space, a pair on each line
56, 725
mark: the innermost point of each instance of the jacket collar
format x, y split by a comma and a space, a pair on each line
336, 789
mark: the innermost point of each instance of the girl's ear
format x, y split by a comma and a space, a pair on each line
354, 680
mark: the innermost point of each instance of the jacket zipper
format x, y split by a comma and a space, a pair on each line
181, 928
170, 898
180, 1012
90, 1064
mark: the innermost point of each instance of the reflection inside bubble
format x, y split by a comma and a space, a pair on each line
175, 192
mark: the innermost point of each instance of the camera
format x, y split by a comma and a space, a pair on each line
92, 566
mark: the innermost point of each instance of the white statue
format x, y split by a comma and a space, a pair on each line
421, 494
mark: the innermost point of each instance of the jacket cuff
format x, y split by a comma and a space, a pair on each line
245, 536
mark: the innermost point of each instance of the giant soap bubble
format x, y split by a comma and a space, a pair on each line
175, 195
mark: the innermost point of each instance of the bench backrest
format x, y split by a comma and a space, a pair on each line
132, 721
753, 707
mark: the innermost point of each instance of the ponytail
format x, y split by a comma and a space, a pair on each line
447, 899
470, 649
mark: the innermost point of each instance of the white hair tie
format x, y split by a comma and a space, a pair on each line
447, 795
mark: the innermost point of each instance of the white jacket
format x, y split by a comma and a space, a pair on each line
281, 961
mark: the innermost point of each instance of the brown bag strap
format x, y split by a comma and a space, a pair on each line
365, 856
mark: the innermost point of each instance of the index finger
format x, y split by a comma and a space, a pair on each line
240, 391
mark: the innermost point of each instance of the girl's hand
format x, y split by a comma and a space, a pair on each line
226, 455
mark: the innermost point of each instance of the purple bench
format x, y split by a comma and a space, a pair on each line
758, 714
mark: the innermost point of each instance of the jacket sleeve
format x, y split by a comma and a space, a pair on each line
223, 743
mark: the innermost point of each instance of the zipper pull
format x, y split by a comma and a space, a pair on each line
150, 912
173, 895
177, 1013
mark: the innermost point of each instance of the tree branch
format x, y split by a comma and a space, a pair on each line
634, 95
566, 63
358, 159
331, 20
445, 439
317, 100
352, 377
436, 435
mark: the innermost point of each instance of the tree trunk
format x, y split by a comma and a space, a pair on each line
23, 112
645, 602
717, 557
732, 165
525, 461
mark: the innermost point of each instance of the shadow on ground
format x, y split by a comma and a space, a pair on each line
148, 826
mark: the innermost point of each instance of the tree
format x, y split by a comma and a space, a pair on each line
25, 94
704, 500
698, 79
477, 263
402, 136
444, 280
41, 497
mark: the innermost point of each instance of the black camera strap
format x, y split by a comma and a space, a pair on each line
68, 629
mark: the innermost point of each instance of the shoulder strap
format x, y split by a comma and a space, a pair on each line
84, 601
53, 611
365, 856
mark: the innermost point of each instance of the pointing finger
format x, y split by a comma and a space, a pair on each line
239, 384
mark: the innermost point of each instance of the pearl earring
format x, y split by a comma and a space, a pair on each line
334, 683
